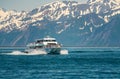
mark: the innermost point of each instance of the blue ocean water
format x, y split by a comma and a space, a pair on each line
80, 63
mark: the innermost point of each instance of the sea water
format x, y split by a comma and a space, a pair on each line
79, 63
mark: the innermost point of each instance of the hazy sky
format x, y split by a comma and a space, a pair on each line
27, 4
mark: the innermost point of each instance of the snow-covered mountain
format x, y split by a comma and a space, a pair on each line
10, 20
62, 19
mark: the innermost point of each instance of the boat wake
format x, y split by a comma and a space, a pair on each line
35, 52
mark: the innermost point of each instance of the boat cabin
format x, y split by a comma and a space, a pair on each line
46, 42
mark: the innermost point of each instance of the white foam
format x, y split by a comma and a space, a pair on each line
34, 52
64, 52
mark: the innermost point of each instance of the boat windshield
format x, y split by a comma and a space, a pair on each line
40, 41
49, 40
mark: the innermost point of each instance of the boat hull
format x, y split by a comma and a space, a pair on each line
47, 50
54, 51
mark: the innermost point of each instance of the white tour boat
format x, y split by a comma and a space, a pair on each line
47, 44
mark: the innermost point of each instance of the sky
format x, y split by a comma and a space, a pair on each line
27, 5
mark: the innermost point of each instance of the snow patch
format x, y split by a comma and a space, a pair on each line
81, 28
91, 29
60, 31
106, 19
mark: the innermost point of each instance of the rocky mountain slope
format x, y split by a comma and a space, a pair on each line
95, 23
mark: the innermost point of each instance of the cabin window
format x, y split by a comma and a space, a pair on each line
49, 40
39, 41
